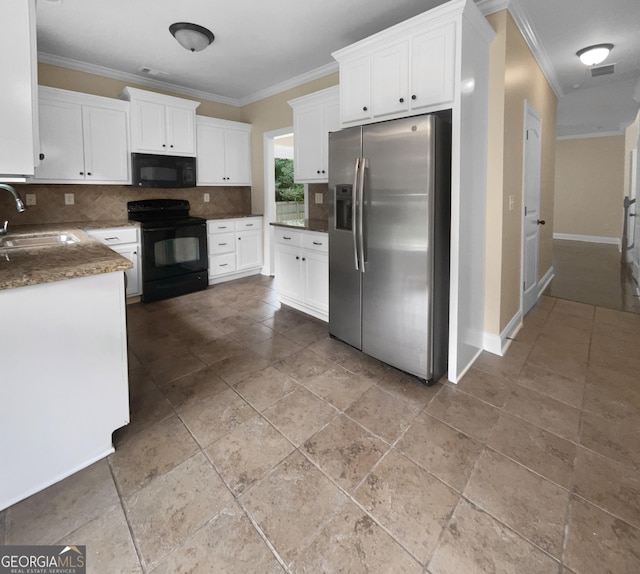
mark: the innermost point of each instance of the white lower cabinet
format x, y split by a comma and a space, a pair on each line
302, 270
235, 248
125, 241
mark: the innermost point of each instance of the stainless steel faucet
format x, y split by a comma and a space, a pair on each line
19, 205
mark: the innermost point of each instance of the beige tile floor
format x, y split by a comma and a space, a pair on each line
257, 444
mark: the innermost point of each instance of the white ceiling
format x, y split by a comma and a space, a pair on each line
263, 47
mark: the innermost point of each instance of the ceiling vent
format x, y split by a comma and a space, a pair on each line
146, 71
602, 70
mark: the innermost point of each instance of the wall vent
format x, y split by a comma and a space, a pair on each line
602, 70
146, 71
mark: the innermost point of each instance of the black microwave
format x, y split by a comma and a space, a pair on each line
152, 170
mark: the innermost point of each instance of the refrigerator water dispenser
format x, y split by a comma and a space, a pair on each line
343, 207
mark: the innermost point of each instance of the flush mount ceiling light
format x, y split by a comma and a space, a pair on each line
593, 55
191, 36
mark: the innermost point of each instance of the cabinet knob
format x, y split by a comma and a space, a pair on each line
303, 259
414, 97
41, 156
323, 171
239, 238
297, 257
171, 145
364, 109
88, 173
401, 100
82, 173
164, 145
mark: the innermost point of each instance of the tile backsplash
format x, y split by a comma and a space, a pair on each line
319, 211
108, 202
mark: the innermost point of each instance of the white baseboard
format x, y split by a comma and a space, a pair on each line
589, 238
544, 282
498, 344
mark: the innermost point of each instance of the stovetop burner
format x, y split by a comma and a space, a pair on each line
162, 212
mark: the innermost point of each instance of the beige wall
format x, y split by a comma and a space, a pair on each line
516, 77
58, 77
270, 114
589, 186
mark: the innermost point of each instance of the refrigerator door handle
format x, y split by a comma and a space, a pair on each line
363, 165
354, 203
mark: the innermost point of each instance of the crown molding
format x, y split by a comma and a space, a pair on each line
132, 78
522, 20
174, 88
490, 6
320, 72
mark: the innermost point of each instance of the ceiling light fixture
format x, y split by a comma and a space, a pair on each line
191, 36
593, 55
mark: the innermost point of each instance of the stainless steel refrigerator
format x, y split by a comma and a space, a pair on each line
389, 241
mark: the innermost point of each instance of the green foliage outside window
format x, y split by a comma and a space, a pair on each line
286, 189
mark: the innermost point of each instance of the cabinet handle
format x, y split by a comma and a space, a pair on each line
248, 224
223, 264
285, 237
401, 100
317, 243
111, 238
414, 97
222, 227
221, 244
364, 109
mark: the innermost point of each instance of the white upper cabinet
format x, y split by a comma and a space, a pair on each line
83, 138
314, 116
19, 93
224, 152
161, 124
398, 72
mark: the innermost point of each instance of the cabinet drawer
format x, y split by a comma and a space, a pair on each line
115, 235
287, 236
221, 226
316, 241
221, 264
222, 243
248, 224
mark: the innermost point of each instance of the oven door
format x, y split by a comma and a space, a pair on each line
173, 251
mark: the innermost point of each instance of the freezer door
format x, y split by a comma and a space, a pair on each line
345, 315
398, 223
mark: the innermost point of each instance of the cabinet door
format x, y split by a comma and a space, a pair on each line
330, 123
133, 274
391, 79
249, 249
148, 127
105, 144
61, 141
316, 280
210, 158
355, 90
181, 136
433, 67
307, 164
237, 157
288, 272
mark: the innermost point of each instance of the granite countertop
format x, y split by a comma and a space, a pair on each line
227, 215
34, 265
304, 224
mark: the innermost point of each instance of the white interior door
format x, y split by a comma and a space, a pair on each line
531, 213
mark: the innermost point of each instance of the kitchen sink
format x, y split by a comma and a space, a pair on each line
42, 240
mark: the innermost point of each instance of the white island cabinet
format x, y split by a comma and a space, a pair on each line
64, 387
302, 270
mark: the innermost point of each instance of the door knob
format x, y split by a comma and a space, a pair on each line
540, 221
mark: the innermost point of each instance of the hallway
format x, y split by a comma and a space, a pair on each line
591, 273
